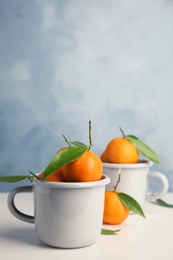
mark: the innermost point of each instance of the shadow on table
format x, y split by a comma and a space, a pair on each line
23, 235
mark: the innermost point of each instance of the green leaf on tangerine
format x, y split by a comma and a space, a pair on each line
63, 157
109, 231
131, 204
142, 148
14, 178
79, 144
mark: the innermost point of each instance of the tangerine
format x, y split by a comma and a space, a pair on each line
62, 148
56, 176
103, 157
114, 210
121, 150
88, 167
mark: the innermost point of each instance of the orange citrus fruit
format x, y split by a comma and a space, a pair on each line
62, 148
56, 176
88, 167
103, 157
114, 210
120, 150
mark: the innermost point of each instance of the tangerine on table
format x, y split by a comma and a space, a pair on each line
88, 167
120, 150
114, 210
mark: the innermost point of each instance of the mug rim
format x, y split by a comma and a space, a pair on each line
74, 185
140, 164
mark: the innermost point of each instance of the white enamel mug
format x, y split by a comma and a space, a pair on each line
67, 215
134, 180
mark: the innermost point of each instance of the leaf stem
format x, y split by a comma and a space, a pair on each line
90, 138
119, 177
33, 174
122, 132
66, 140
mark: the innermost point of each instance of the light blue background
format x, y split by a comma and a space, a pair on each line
63, 63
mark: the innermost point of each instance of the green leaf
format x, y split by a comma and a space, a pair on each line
109, 232
142, 148
162, 203
79, 144
63, 157
13, 178
131, 204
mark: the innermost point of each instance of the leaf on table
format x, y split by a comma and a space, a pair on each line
144, 149
109, 231
162, 203
131, 204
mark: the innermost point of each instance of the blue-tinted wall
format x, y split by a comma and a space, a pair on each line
63, 63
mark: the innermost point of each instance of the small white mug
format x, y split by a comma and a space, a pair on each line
67, 215
134, 180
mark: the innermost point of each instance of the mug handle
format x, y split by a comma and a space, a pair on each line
11, 205
164, 189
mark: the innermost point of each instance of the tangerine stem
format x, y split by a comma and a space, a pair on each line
119, 177
90, 138
66, 140
122, 132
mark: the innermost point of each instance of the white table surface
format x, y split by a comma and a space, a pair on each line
139, 238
